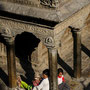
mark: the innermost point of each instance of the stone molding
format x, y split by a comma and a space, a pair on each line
83, 12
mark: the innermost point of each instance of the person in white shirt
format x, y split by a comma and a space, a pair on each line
44, 85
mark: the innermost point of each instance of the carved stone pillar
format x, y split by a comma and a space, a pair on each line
77, 52
52, 55
9, 37
11, 64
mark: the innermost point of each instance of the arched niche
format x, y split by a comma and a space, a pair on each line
25, 44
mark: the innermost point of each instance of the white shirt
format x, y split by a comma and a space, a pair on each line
60, 79
44, 85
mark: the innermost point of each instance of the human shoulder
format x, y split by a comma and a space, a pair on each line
61, 76
45, 80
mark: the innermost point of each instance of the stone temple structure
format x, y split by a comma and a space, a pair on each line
39, 34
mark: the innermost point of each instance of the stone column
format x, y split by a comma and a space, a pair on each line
11, 63
52, 54
77, 52
9, 36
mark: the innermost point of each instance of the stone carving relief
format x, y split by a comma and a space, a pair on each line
17, 28
49, 42
7, 34
51, 3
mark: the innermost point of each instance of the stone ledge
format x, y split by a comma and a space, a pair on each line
61, 14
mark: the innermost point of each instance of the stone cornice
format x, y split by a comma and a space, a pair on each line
72, 19
27, 20
60, 14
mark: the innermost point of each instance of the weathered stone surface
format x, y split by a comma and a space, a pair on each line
65, 53
18, 28
66, 13
40, 58
71, 20
58, 15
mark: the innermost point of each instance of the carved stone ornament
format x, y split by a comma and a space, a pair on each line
51, 3
49, 42
7, 34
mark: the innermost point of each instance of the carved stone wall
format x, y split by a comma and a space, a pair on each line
17, 28
40, 54
66, 48
40, 58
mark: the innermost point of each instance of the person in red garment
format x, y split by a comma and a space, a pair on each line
60, 76
61, 81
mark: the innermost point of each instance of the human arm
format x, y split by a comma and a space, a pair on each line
40, 86
24, 84
63, 79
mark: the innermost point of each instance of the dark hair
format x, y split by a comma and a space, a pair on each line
60, 70
46, 72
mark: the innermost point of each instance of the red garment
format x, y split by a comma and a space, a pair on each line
36, 82
60, 79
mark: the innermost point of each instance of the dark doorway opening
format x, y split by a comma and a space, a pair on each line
25, 44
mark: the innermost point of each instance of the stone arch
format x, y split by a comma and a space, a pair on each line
25, 44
